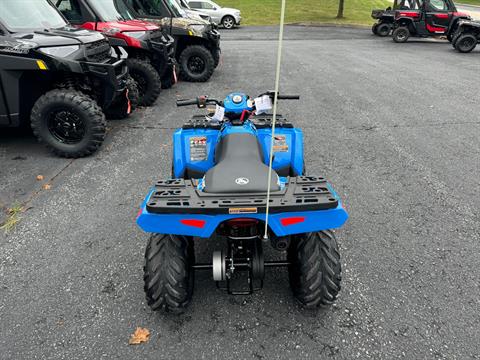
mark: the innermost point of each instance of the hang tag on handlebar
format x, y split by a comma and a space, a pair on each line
219, 114
263, 104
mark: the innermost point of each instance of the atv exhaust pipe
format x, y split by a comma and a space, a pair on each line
280, 243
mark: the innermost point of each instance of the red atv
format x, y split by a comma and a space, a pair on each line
151, 60
433, 18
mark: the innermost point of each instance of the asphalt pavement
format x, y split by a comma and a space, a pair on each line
394, 127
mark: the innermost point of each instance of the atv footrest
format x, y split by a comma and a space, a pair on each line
303, 193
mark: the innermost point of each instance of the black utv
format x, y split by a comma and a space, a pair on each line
197, 42
467, 36
58, 79
385, 18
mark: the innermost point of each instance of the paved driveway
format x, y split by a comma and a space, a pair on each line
395, 127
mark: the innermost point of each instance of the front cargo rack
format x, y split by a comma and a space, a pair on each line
302, 193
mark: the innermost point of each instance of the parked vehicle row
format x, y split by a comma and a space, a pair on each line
428, 18
68, 65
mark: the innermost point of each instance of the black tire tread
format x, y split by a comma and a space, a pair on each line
168, 276
459, 41
315, 273
83, 102
144, 66
207, 56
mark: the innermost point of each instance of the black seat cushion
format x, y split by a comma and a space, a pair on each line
239, 167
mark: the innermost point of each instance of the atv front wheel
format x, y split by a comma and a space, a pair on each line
401, 34
147, 79
383, 29
122, 107
374, 28
168, 272
196, 64
466, 43
69, 122
315, 270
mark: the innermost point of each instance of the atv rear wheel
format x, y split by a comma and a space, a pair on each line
401, 34
69, 122
383, 29
122, 107
196, 63
374, 28
168, 272
147, 79
315, 270
466, 43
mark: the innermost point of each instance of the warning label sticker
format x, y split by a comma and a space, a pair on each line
238, 211
198, 148
280, 144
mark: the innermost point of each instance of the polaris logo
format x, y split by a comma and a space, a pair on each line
242, 181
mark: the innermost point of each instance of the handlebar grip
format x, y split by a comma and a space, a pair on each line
288, 97
187, 102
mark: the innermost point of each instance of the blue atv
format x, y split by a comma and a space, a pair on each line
219, 186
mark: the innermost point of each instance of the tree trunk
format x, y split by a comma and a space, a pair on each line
340, 9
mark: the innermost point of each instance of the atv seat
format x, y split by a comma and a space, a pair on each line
239, 167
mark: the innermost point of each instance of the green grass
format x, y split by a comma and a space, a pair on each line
267, 12
469, 2
13, 218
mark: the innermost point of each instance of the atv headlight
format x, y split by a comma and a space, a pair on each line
135, 34
60, 51
197, 27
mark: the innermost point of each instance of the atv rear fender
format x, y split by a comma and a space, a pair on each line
177, 207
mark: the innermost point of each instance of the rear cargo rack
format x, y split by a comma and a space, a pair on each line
302, 193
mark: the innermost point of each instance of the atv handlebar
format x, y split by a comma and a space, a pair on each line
201, 102
187, 102
288, 97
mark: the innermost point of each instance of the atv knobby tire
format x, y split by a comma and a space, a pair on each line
401, 34
383, 29
315, 270
168, 272
196, 64
49, 110
374, 28
119, 109
147, 79
466, 43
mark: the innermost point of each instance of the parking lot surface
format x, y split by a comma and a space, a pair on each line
394, 127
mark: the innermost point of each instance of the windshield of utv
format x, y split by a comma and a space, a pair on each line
112, 10
27, 15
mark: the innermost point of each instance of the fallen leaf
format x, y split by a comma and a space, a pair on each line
47, 187
140, 335
40, 177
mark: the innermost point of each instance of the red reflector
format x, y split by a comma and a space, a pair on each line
241, 222
193, 223
292, 220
